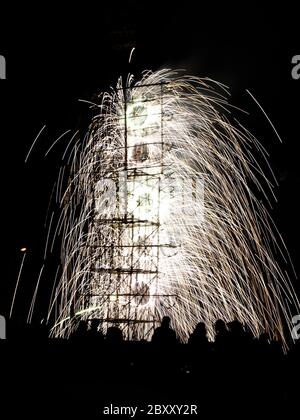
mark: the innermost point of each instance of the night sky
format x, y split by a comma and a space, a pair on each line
55, 57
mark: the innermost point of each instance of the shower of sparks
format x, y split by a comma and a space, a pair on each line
162, 215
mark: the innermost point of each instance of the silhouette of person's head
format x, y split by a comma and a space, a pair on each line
164, 334
198, 336
81, 327
220, 326
165, 323
94, 325
114, 335
200, 329
236, 328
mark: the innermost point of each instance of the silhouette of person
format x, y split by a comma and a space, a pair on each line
114, 335
198, 336
80, 332
164, 335
93, 334
236, 329
198, 350
221, 335
238, 339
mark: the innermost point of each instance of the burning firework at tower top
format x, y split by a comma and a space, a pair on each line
162, 215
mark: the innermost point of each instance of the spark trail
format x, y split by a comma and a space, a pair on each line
162, 215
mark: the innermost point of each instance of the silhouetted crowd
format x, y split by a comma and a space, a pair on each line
231, 337
235, 374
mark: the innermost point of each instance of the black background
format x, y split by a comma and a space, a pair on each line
57, 55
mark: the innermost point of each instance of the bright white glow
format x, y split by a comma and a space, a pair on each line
182, 232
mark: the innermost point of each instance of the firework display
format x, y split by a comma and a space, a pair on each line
163, 215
